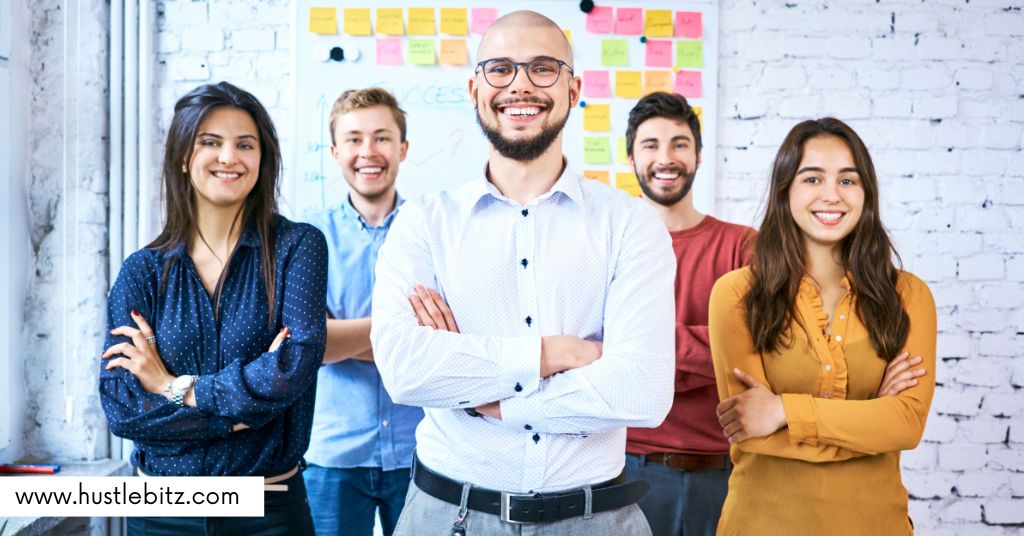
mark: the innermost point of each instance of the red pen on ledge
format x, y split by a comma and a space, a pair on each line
28, 469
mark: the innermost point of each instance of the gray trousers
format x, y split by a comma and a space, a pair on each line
424, 515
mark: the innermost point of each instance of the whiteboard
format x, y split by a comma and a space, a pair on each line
446, 147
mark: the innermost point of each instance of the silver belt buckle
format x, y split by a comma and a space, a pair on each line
506, 507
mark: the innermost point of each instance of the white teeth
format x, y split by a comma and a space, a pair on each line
224, 175
371, 170
666, 176
828, 216
522, 111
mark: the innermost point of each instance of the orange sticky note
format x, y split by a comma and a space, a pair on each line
357, 21
597, 118
688, 84
453, 21
626, 181
390, 22
453, 52
658, 23
421, 21
389, 51
657, 81
323, 20
689, 24
597, 175
628, 84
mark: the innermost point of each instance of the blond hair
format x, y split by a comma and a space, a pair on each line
359, 99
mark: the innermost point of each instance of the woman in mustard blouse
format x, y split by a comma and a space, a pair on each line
811, 347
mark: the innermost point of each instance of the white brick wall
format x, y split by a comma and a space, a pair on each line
935, 88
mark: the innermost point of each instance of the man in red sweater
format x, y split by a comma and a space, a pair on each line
686, 458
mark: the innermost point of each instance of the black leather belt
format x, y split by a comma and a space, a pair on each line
532, 507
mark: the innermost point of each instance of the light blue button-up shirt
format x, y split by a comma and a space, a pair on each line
355, 423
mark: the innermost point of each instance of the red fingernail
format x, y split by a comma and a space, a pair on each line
135, 313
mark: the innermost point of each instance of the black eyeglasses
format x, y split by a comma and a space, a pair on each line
542, 72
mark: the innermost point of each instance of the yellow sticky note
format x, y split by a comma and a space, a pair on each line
597, 118
568, 34
658, 23
389, 21
699, 110
357, 21
323, 20
597, 150
626, 181
627, 84
453, 52
597, 175
421, 21
620, 151
420, 52
453, 21
657, 81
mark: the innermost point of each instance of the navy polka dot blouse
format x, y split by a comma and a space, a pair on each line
239, 381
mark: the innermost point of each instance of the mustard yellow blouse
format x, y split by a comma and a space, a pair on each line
835, 469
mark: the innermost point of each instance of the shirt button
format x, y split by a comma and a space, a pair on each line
529, 321
536, 438
526, 212
384, 423
528, 427
828, 367
524, 262
518, 387
839, 337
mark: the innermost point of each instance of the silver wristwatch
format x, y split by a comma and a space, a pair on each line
176, 390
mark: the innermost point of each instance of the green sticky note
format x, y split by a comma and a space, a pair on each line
597, 150
420, 52
614, 53
690, 54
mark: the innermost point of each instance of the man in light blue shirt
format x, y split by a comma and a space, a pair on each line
361, 447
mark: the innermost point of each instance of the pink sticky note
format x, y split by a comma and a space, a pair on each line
389, 51
596, 84
481, 18
688, 24
688, 84
629, 21
600, 20
659, 53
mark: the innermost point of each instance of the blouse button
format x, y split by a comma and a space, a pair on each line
842, 317
828, 367
839, 338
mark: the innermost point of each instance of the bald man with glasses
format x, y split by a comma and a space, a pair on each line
530, 313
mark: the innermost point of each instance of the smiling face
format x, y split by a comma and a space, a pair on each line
225, 161
826, 197
368, 148
522, 121
665, 159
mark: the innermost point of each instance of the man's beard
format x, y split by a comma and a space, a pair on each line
670, 198
526, 150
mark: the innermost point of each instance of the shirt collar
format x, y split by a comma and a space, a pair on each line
568, 184
349, 212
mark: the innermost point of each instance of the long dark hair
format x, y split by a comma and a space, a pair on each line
260, 206
867, 253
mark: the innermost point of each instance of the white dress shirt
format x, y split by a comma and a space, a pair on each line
583, 259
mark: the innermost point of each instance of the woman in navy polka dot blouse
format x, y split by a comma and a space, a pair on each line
217, 327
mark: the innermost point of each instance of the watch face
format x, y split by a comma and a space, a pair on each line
181, 383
